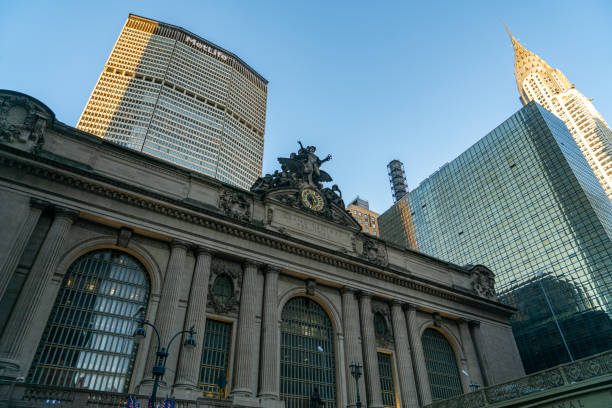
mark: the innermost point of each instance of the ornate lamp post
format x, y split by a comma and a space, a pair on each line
162, 352
356, 373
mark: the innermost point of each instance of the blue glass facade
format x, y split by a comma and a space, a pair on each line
524, 202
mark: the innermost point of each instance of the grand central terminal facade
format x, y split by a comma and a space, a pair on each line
283, 290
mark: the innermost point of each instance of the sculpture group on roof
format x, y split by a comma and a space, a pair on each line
300, 169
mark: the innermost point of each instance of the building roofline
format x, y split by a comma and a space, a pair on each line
199, 38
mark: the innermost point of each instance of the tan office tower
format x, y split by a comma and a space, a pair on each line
169, 93
537, 81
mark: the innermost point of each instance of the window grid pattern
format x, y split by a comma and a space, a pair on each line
159, 95
387, 386
441, 363
307, 354
520, 200
88, 342
215, 356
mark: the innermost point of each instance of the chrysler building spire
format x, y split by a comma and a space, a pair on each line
549, 87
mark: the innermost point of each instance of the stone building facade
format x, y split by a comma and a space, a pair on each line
282, 287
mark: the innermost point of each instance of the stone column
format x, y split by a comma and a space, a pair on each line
21, 239
370, 363
470, 353
418, 357
188, 371
242, 390
476, 337
352, 348
408, 389
20, 332
270, 352
166, 319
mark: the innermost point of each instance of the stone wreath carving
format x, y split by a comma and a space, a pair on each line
483, 281
232, 271
235, 205
22, 123
384, 338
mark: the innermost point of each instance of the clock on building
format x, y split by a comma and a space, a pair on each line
313, 199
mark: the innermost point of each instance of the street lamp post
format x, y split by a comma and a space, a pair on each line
162, 352
540, 275
356, 373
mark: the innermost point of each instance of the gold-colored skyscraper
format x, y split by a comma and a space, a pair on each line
537, 81
169, 93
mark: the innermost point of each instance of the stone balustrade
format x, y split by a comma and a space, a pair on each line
31, 396
546, 382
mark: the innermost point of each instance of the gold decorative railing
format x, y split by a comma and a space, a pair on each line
562, 375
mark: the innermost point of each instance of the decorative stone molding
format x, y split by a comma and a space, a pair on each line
235, 204
166, 206
372, 250
124, 236
311, 286
437, 319
23, 122
483, 281
233, 272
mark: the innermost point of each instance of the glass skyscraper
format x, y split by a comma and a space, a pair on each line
524, 202
169, 93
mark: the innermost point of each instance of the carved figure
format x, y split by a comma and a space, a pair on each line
306, 165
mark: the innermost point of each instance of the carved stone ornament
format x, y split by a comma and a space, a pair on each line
384, 338
233, 272
311, 286
235, 204
299, 185
23, 122
372, 250
483, 281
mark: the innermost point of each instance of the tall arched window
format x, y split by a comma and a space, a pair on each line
441, 366
87, 342
307, 354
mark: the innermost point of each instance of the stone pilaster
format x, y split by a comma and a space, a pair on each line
352, 348
21, 239
370, 363
20, 332
476, 337
188, 372
408, 391
473, 368
418, 357
269, 363
166, 319
244, 359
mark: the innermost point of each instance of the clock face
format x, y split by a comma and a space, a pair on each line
312, 199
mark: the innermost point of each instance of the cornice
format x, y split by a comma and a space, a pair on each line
130, 194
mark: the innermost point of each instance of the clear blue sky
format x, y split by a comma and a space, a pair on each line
365, 81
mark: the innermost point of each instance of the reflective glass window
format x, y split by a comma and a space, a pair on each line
307, 354
88, 342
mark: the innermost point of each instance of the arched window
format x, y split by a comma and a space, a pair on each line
87, 342
441, 366
307, 354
